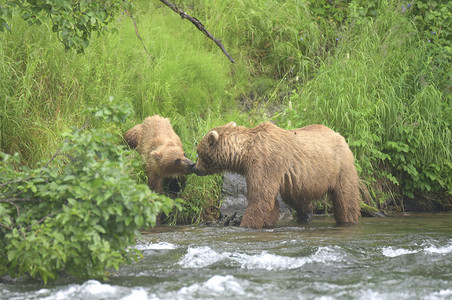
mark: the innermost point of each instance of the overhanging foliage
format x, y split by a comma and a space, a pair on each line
79, 212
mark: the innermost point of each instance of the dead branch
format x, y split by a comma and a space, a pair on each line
198, 25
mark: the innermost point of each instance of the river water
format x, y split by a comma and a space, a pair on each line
403, 257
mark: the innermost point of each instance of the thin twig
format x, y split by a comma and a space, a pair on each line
198, 25
4, 226
65, 141
15, 181
137, 33
11, 200
17, 209
44, 218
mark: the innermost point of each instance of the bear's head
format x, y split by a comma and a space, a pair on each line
212, 151
171, 161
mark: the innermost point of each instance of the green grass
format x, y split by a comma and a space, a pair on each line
46, 90
377, 90
365, 71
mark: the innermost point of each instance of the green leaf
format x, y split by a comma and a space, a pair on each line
138, 220
99, 228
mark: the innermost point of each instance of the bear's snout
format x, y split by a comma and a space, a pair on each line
199, 171
188, 166
191, 166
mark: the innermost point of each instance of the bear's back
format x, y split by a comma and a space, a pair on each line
157, 131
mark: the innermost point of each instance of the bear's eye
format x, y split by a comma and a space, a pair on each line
178, 162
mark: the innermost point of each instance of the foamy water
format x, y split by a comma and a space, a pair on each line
391, 252
380, 259
200, 257
426, 247
155, 246
92, 289
214, 286
439, 249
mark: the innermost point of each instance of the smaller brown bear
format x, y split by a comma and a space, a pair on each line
161, 149
301, 164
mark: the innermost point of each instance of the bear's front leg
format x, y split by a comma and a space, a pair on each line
263, 208
155, 183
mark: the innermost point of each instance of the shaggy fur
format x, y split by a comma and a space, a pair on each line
161, 149
302, 165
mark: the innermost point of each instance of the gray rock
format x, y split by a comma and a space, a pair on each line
234, 201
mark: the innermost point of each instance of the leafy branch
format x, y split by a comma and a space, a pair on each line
9, 200
75, 21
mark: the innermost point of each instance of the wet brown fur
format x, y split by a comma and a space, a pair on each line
161, 149
302, 165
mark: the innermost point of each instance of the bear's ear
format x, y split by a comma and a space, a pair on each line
232, 123
212, 137
156, 155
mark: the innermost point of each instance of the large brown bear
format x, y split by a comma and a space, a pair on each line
161, 149
302, 165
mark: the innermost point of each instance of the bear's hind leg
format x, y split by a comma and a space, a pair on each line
345, 198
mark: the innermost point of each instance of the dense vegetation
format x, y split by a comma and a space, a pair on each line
80, 211
377, 72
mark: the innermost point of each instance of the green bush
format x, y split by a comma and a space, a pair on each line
79, 212
379, 91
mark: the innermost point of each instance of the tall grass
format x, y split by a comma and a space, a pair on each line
377, 90
45, 90
275, 36
371, 79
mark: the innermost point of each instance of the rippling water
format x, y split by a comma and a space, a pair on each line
407, 257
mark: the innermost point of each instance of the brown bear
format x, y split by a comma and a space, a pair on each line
161, 149
301, 164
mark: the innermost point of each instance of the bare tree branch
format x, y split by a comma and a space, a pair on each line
198, 25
